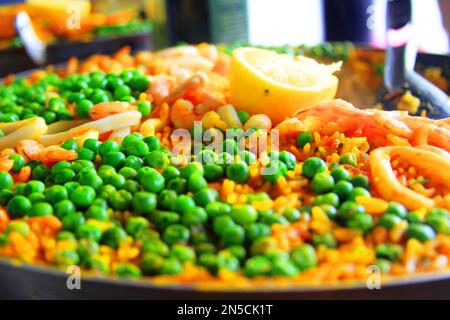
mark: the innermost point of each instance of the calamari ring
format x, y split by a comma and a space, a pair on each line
432, 164
433, 135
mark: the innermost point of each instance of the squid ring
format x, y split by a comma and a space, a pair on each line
431, 163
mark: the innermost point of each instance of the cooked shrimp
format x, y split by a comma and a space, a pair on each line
376, 125
104, 109
193, 83
6, 164
339, 115
183, 114
161, 87
385, 180
177, 51
33, 150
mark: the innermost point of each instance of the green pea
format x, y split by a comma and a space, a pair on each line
204, 197
340, 174
120, 200
176, 233
243, 214
33, 186
238, 172
65, 236
179, 185
55, 194
64, 207
135, 147
389, 220
170, 172
216, 209
328, 198
194, 167
303, 138
155, 246
358, 192
361, 221
330, 210
97, 212
360, 181
343, 189
41, 209
207, 156
91, 232
243, 116
171, 266
391, 252
349, 209
397, 209
72, 220
70, 186
107, 147
326, 239
183, 204
152, 181
67, 258
292, 215
18, 206
284, 268
114, 159
182, 253
274, 171
144, 107
151, 263
70, 145
86, 249
257, 230
113, 237
83, 108
83, 196
322, 183
257, 266
116, 180
288, 159
144, 202
421, 232
153, 143
348, 158
6, 180
92, 144
213, 172
133, 162
127, 270
194, 216
59, 166
64, 175
304, 257
312, 166
5, 196
19, 163
222, 223
18, 226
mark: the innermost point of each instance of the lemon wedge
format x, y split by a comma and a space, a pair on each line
278, 85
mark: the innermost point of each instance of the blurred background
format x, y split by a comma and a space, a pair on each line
63, 28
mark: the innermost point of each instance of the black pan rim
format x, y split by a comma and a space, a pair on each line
393, 282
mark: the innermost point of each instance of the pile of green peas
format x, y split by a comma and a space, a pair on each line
178, 218
49, 97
